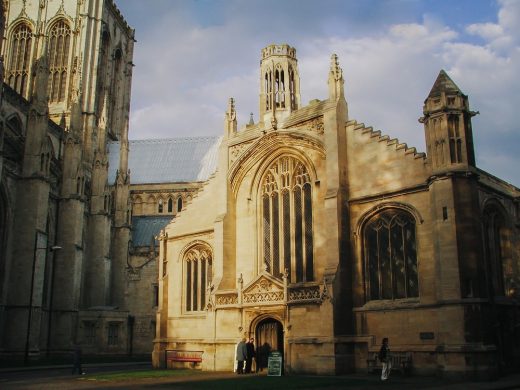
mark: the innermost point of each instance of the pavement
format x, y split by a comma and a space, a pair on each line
59, 377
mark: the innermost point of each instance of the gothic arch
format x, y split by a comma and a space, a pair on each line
20, 48
285, 199
197, 271
383, 206
387, 250
502, 273
59, 51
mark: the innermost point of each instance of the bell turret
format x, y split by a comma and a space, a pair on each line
447, 126
279, 83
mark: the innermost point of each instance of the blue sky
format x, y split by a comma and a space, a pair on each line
192, 55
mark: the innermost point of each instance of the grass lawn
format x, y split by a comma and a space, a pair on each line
141, 374
193, 379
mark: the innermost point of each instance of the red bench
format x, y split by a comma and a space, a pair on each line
176, 355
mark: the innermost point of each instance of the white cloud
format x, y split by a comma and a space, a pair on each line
187, 74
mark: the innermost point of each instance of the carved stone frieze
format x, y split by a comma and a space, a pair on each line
263, 291
236, 150
307, 293
314, 125
226, 299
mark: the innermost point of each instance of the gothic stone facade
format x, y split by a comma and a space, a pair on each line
319, 236
65, 228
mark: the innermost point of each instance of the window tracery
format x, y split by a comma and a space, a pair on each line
499, 262
198, 275
59, 58
286, 212
390, 256
20, 58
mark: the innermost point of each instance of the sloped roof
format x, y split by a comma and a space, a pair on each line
444, 84
146, 227
167, 160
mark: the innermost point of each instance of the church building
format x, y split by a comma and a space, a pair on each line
319, 236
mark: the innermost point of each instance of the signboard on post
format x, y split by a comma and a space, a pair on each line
274, 364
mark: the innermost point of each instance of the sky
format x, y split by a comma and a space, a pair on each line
191, 56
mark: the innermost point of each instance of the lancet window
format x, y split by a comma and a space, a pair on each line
391, 256
59, 58
498, 259
455, 139
286, 214
20, 57
292, 88
198, 274
279, 87
268, 89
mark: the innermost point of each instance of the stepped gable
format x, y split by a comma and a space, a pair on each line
391, 143
443, 83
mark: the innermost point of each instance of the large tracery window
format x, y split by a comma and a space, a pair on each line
286, 210
59, 53
391, 256
198, 260
20, 57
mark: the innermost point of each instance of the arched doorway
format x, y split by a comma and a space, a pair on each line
269, 337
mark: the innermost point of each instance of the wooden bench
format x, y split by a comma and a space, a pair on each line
177, 355
401, 361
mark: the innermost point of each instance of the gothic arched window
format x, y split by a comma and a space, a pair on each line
20, 58
198, 274
268, 90
170, 205
179, 204
160, 207
286, 210
279, 87
390, 256
498, 259
59, 56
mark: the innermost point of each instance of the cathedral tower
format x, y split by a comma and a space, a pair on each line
279, 83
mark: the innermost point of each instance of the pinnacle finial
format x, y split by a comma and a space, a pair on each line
335, 69
251, 120
231, 112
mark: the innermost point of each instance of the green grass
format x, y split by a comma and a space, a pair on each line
206, 380
142, 374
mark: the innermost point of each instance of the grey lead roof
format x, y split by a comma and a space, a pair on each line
144, 228
167, 160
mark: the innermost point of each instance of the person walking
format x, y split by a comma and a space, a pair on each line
384, 357
241, 355
76, 359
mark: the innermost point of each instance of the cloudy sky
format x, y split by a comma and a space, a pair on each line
192, 55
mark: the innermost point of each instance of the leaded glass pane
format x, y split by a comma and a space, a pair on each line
309, 246
188, 286
286, 211
298, 233
267, 233
276, 235
195, 285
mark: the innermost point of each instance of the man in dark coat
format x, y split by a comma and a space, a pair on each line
250, 355
241, 355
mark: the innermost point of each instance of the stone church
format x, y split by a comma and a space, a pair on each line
318, 236
312, 233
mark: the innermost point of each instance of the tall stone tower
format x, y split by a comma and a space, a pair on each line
73, 61
447, 124
279, 83
453, 189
